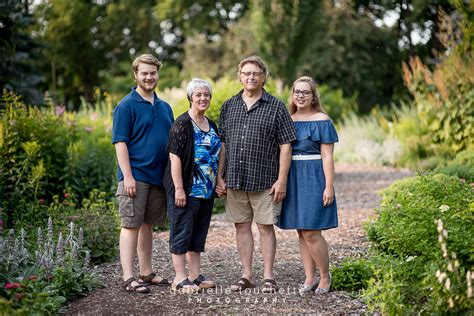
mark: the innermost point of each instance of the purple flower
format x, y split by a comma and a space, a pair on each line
60, 109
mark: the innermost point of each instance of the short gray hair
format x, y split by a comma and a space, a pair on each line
197, 83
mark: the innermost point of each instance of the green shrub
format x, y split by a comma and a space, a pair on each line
445, 99
352, 275
404, 226
462, 166
421, 238
43, 154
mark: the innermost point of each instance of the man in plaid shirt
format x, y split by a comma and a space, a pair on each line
256, 131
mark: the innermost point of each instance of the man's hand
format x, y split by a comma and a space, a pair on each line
180, 197
221, 188
130, 186
278, 190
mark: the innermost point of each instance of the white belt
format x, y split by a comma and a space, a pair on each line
305, 157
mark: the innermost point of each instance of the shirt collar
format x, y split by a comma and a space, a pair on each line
137, 97
265, 95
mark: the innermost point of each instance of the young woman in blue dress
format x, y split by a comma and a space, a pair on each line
310, 204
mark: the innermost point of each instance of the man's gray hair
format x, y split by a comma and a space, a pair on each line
196, 83
256, 60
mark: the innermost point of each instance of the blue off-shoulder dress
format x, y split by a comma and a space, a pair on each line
303, 205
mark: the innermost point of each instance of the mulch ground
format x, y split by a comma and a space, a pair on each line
356, 187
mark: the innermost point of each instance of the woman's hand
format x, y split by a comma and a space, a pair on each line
221, 189
180, 198
328, 196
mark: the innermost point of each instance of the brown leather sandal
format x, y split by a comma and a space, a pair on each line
148, 280
139, 288
270, 286
241, 285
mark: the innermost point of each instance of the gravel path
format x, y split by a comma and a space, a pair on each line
356, 187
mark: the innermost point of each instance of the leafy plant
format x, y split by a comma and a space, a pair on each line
352, 275
419, 240
38, 276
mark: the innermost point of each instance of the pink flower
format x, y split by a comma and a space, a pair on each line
88, 129
12, 285
41, 201
67, 195
60, 110
32, 278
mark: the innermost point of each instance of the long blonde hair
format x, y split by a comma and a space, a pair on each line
316, 103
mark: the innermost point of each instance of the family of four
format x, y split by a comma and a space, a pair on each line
273, 166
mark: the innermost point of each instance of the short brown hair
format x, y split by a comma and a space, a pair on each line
146, 59
256, 60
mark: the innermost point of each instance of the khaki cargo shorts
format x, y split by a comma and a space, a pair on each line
148, 206
243, 207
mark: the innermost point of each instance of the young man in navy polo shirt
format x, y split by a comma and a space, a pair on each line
141, 123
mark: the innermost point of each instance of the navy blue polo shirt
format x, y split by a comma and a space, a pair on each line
144, 127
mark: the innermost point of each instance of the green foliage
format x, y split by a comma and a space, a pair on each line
43, 155
39, 274
352, 275
101, 223
411, 205
413, 138
445, 100
462, 166
422, 247
19, 52
31, 153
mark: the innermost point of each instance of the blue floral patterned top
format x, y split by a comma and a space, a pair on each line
207, 146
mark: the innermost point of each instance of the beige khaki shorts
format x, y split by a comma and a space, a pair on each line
148, 206
243, 207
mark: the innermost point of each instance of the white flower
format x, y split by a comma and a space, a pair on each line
443, 208
448, 284
445, 233
450, 267
451, 303
410, 258
456, 263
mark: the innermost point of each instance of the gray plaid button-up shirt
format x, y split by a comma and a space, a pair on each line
252, 138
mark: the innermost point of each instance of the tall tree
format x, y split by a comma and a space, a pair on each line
74, 47
283, 31
417, 23
18, 51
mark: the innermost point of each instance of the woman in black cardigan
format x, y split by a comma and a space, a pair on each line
190, 181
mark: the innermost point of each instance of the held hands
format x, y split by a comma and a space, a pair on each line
221, 188
180, 197
278, 190
130, 186
328, 196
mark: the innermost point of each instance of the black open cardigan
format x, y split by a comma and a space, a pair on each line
181, 143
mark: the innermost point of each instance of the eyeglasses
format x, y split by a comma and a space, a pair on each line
250, 73
198, 95
305, 93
